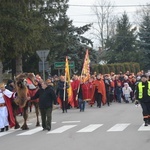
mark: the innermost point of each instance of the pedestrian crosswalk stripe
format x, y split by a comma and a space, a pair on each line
62, 129
71, 121
144, 128
7, 132
90, 128
118, 127
31, 131
86, 129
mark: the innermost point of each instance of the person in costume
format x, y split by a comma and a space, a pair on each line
100, 91
75, 85
6, 113
86, 87
92, 91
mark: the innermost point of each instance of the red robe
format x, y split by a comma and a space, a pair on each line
92, 93
11, 118
75, 85
86, 91
101, 89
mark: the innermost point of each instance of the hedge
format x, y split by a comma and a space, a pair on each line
116, 68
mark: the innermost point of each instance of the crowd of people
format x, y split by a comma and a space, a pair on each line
104, 89
97, 90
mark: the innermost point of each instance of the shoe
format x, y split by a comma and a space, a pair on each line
2, 129
146, 123
7, 128
48, 129
44, 129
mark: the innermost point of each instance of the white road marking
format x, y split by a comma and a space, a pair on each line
90, 128
62, 129
144, 128
8, 132
71, 121
31, 131
118, 127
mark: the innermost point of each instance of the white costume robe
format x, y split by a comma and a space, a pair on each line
3, 109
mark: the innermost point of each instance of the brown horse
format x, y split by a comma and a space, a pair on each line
25, 87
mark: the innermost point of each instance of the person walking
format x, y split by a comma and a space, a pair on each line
143, 96
61, 90
75, 84
100, 91
47, 98
107, 88
80, 98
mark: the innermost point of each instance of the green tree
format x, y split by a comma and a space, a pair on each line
21, 26
144, 34
123, 44
37, 25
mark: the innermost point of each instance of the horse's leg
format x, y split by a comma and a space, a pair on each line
25, 117
36, 105
17, 126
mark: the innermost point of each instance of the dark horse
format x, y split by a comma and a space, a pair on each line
25, 87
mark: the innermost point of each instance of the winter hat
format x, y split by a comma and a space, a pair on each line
9, 81
143, 76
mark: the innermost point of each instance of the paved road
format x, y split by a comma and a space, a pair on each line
118, 127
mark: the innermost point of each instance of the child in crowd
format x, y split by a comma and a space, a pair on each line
126, 92
119, 92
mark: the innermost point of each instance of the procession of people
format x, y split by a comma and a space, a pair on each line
97, 90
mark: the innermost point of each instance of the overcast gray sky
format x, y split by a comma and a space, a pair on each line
81, 14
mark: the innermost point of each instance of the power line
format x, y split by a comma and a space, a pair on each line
98, 22
71, 5
96, 14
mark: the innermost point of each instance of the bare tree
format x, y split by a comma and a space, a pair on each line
105, 21
140, 13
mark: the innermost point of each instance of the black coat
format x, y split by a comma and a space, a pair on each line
47, 97
60, 90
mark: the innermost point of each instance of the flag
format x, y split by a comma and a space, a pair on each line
86, 67
67, 79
